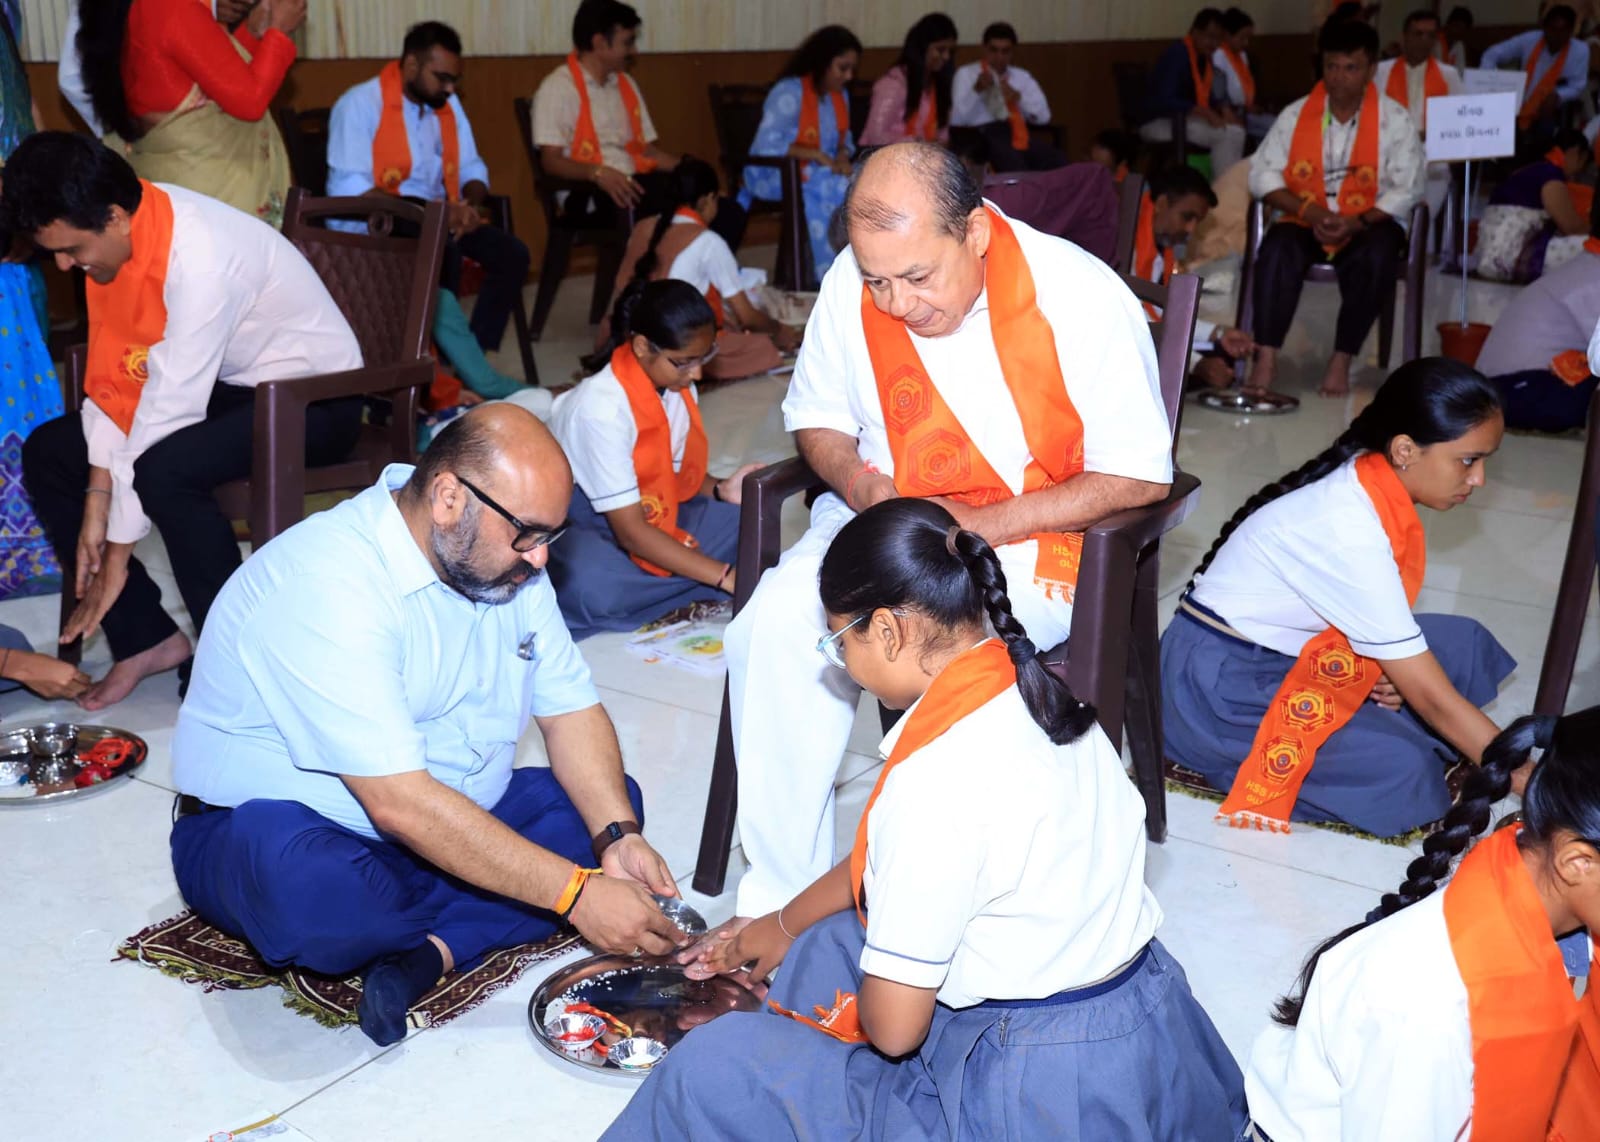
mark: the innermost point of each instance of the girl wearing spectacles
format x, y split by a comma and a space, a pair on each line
651, 528
986, 955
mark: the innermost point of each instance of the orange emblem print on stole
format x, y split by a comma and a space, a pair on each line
135, 364
1338, 666
1280, 757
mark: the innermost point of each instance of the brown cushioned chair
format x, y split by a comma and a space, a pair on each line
1114, 635
1577, 581
387, 289
736, 112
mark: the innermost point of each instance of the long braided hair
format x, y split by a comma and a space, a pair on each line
1432, 400
1562, 794
898, 555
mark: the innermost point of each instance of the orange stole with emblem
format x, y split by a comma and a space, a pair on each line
1537, 93
661, 489
934, 456
1327, 683
1535, 1046
1399, 85
1145, 251
810, 127
391, 150
1304, 173
129, 315
585, 146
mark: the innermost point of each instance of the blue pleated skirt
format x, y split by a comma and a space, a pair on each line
1137, 1061
1383, 771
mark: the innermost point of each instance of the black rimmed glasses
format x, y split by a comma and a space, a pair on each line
529, 535
689, 365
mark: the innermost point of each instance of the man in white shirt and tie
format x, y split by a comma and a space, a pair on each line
1003, 103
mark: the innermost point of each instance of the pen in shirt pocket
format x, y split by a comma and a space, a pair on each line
525, 647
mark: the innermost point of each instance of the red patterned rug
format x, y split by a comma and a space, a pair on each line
189, 949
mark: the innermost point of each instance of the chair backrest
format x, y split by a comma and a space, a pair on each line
1132, 79
305, 137
736, 114
1077, 202
386, 286
522, 110
1179, 302
1129, 199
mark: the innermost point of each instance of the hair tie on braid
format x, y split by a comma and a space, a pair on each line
1021, 651
950, 539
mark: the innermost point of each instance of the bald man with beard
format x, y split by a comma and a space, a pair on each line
348, 801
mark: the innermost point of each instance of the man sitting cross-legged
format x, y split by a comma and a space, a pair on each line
345, 753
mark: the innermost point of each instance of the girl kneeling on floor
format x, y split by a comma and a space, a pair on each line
1003, 980
1296, 643
651, 529
1456, 1017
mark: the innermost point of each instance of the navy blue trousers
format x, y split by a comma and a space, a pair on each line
303, 890
1540, 400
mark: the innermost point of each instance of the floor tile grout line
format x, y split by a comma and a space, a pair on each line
1291, 867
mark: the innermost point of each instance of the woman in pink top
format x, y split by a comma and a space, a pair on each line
912, 99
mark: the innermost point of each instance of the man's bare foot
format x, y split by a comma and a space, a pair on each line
1336, 381
1263, 372
125, 675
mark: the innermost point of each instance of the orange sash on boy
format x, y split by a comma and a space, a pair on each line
1019, 125
973, 679
1399, 86
1537, 93
1242, 70
1327, 683
1199, 72
585, 146
810, 132
391, 150
661, 489
934, 456
1145, 251
129, 316
1535, 1047
1304, 174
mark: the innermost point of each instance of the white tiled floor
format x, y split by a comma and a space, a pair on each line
172, 1062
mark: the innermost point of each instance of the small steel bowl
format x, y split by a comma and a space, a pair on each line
687, 920
638, 1053
573, 1031
55, 740
17, 745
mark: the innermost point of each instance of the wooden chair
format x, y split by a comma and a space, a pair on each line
1413, 271
1115, 639
1132, 80
387, 289
1129, 199
562, 234
1577, 581
736, 113
1077, 202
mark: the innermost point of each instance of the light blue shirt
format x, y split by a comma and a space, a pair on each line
1514, 53
353, 125
335, 649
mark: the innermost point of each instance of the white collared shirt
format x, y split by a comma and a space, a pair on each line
243, 306
1315, 558
354, 124
555, 115
337, 650
1416, 86
706, 262
1227, 81
1515, 52
1102, 341
970, 107
594, 424
1402, 166
971, 845
1383, 1048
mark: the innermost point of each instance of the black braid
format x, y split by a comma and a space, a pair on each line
644, 269
1059, 713
1467, 818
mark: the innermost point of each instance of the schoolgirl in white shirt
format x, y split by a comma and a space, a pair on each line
962, 990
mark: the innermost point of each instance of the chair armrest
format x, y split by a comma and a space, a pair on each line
777, 162
371, 380
1140, 527
760, 514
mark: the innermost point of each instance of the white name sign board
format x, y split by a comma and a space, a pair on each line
1482, 80
1480, 126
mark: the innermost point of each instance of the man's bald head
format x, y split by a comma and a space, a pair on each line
488, 444
909, 185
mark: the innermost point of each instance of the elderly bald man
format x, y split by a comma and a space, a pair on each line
348, 801
953, 353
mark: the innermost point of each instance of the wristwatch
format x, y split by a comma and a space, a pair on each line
613, 833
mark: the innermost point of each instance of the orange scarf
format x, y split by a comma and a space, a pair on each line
1304, 173
1535, 1046
129, 316
934, 456
1145, 251
972, 680
391, 150
1200, 72
926, 120
1242, 70
585, 146
1537, 93
1019, 125
712, 296
1399, 86
810, 132
1327, 683
661, 489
